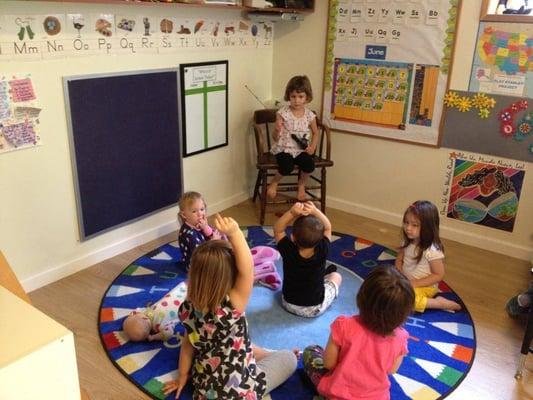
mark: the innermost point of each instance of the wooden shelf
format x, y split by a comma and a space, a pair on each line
276, 10
273, 10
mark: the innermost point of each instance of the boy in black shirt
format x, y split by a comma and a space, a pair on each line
308, 289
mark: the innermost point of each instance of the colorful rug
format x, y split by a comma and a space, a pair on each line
441, 345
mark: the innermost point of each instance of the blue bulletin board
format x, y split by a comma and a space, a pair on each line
125, 146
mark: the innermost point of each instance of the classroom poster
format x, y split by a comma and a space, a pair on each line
51, 36
387, 67
19, 115
503, 60
483, 190
204, 95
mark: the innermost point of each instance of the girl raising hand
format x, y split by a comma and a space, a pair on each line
216, 346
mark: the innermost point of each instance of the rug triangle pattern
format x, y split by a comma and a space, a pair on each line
441, 346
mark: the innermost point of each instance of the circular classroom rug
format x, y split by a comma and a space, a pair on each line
441, 344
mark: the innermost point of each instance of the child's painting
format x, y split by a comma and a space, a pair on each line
484, 193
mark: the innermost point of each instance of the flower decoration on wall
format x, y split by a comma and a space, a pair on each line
525, 127
507, 117
480, 102
451, 99
464, 104
483, 113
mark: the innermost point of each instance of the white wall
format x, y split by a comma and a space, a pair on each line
379, 178
38, 223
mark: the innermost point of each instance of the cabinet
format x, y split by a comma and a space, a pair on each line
37, 357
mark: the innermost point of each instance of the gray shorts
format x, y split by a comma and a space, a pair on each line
331, 291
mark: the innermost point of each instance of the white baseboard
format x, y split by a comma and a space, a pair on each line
61, 271
472, 239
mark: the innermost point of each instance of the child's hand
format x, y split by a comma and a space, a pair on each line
176, 385
202, 224
226, 225
216, 235
310, 149
309, 207
298, 209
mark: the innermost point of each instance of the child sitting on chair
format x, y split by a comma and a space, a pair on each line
194, 227
295, 136
157, 321
308, 288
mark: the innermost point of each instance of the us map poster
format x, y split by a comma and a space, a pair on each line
387, 67
503, 60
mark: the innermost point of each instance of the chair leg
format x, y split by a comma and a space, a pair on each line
526, 344
257, 183
264, 184
323, 190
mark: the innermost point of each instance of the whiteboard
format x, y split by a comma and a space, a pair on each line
204, 90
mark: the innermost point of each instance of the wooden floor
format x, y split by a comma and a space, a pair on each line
484, 280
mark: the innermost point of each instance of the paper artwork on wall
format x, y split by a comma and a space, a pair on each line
19, 116
483, 190
503, 60
387, 67
204, 102
35, 37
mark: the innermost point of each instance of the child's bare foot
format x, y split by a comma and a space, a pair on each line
445, 304
272, 190
259, 352
301, 193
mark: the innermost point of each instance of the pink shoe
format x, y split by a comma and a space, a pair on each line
261, 254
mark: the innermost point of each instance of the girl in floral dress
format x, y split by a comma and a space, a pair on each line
216, 348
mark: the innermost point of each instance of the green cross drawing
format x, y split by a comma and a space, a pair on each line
204, 90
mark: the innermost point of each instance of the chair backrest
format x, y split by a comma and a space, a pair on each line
263, 120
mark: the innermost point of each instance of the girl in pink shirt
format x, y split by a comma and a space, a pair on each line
364, 349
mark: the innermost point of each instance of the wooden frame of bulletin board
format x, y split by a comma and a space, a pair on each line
387, 68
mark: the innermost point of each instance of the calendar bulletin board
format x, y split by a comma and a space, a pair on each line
387, 65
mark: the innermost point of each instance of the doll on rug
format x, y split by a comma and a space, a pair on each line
157, 321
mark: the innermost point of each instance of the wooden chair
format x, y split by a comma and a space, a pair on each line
267, 167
